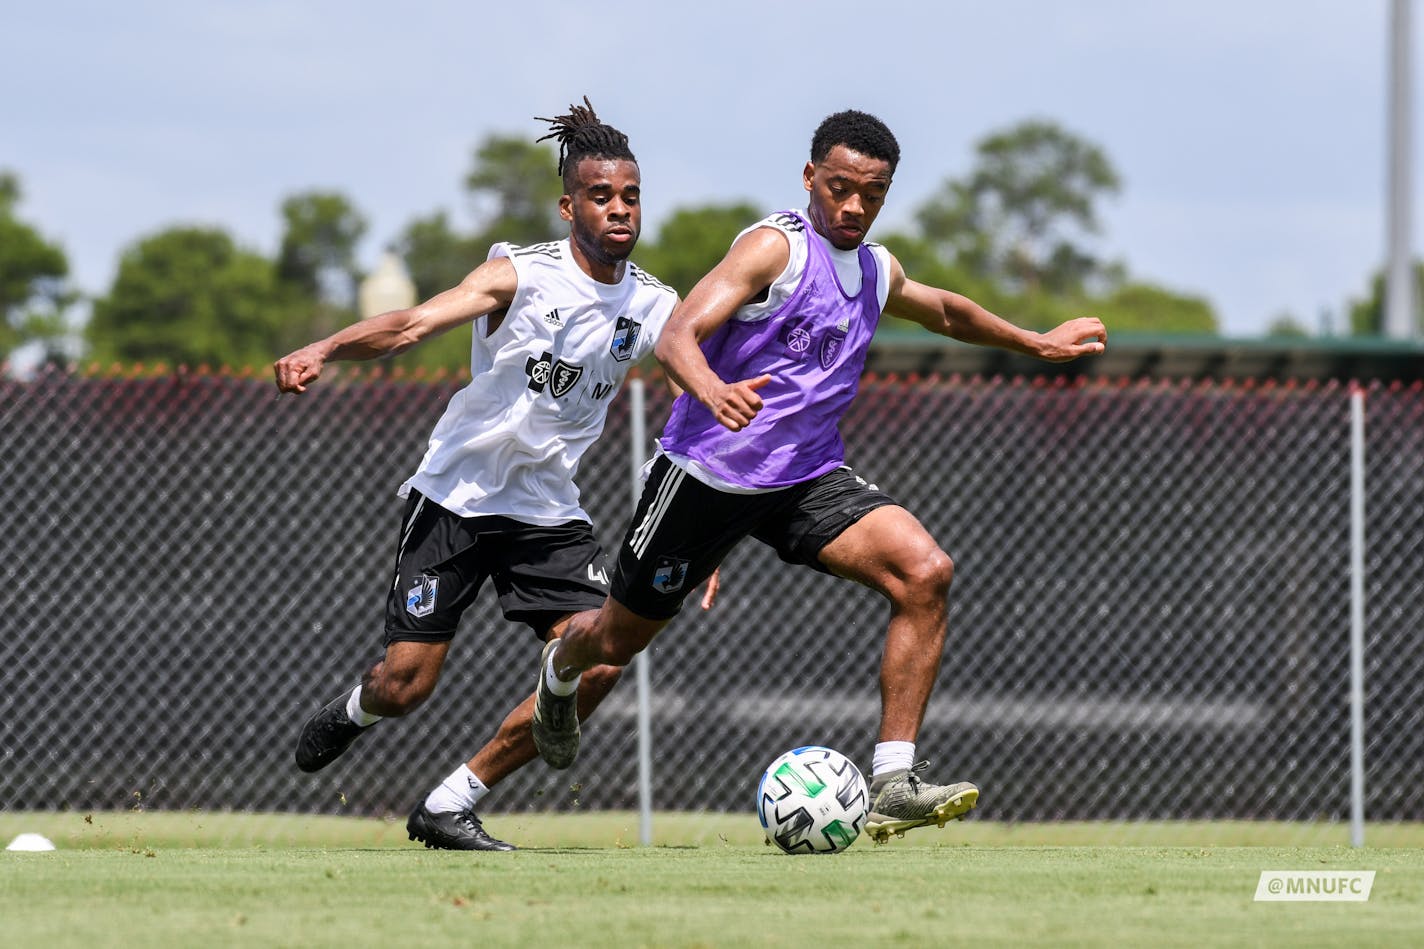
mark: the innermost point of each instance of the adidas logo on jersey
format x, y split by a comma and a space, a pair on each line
554, 319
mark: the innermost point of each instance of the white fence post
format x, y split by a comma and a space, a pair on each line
638, 434
1357, 616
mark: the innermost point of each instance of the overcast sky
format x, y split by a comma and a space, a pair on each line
1250, 134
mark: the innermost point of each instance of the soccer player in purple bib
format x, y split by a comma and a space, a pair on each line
769, 348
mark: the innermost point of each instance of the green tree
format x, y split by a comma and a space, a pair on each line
691, 242
33, 287
1284, 325
1367, 315
1021, 214
190, 295
513, 188
436, 255
1146, 308
317, 259
438, 258
514, 191
318, 252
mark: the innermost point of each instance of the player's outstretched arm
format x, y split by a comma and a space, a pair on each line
956, 316
754, 261
489, 287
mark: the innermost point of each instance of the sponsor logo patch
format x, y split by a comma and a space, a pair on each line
798, 341
563, 377
538, 371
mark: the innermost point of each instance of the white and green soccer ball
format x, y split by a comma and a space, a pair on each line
812, 800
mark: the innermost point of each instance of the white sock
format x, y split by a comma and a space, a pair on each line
356, 713
892, 756
559, 686
461, 791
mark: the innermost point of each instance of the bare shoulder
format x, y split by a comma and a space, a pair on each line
498, 271
763, 251
496, 279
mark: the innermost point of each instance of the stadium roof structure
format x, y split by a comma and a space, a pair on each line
1166, 357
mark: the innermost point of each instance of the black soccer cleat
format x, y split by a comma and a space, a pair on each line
459, 830
326, 735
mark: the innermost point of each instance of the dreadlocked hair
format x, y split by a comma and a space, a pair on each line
581, 135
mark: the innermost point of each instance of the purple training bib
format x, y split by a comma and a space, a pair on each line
814, 349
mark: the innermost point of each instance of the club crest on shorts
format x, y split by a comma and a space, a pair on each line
563, 377
420, 598
625, 338
669, 575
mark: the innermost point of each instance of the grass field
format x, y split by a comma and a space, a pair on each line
181, 879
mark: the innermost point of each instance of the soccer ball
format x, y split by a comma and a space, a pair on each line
812, 800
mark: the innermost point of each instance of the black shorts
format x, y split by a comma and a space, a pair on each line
539, 573
683, 529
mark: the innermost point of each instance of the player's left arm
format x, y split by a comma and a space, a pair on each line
958, 317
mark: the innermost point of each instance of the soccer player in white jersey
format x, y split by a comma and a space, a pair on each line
769, 348
556, 327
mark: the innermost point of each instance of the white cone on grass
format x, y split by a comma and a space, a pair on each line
31, 842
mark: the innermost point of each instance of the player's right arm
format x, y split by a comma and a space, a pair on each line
755, 260
488, 288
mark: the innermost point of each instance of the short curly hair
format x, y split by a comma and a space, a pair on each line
858, 131
581, 134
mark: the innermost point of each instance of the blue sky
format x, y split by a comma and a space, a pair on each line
1250, 136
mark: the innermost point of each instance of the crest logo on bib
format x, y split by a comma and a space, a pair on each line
798, 341
625, 338
832, 344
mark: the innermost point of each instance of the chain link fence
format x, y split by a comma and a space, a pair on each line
1150, 616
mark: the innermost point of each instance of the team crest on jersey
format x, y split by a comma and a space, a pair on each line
625, 338
538, 371
669, 575
420, 598
563, 377
831, 345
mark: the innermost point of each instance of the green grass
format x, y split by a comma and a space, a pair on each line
180, 879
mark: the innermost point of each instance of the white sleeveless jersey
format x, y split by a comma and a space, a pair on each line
509, 443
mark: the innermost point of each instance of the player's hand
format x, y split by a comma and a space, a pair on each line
1085, 336
295, 370
709, 592
735, 404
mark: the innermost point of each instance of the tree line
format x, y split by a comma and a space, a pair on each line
1016, 233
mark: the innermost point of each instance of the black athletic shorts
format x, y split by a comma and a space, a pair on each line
683, 529
539, 573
